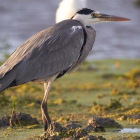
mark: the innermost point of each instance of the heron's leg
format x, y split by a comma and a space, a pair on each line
45, 116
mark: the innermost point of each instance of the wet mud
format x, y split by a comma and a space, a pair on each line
17, 119
71, 131
75, 131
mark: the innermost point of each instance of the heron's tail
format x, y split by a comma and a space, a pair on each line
7, 78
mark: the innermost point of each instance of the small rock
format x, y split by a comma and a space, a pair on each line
103, 123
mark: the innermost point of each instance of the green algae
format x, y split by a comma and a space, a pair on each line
83, 94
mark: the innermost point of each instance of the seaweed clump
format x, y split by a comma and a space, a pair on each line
100, 108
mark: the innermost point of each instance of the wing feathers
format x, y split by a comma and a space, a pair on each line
7, 80
46, 53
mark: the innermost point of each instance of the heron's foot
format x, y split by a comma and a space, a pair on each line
53, 128
50, 126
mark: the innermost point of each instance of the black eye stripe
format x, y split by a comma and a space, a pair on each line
85, 11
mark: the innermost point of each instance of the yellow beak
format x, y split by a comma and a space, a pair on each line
104, 17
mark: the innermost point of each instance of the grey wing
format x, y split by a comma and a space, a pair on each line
46, 53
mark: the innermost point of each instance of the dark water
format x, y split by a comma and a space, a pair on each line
20, 19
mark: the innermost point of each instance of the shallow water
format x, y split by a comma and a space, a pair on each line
130, 130
20, 19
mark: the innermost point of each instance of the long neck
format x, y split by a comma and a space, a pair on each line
82, 18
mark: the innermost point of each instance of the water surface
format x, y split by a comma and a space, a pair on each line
130, 130
20, 19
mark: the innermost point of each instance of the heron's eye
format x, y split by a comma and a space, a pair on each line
93, 15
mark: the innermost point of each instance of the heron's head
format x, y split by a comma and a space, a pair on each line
88, 17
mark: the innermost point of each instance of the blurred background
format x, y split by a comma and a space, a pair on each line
20, 19
106, 86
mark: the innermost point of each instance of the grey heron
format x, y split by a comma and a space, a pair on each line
52, 53
67, 8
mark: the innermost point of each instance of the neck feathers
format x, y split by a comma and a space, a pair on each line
82, 18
